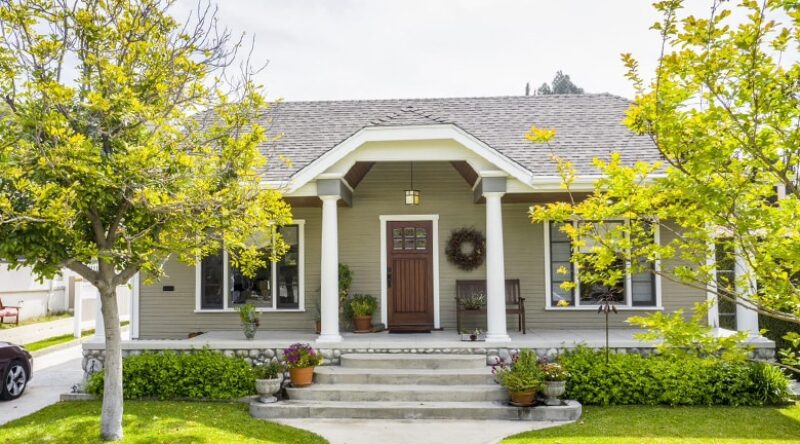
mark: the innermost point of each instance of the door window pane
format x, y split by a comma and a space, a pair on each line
211, 287
288, 270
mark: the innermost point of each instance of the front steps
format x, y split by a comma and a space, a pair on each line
407, 386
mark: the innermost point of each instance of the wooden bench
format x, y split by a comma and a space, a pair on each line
515, 304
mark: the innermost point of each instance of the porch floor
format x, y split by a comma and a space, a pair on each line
620, 338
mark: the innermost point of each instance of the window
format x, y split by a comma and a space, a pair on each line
726, 281
274, 286
634, 290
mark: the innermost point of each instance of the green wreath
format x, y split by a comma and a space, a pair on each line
466, 260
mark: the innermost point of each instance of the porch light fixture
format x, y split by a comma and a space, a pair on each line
412, 195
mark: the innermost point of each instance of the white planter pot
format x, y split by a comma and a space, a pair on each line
553, 390
267, 388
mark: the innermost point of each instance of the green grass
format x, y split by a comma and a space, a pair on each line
665, 425
55, 340
152, 422
48, 318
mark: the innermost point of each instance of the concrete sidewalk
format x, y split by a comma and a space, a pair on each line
25, 334
355, 431
53, 375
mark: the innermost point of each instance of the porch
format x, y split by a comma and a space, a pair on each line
269, 345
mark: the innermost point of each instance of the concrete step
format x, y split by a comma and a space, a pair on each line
333, 374
412, 361
414, 410
398, 393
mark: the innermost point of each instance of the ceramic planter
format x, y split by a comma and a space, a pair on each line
301, 377
553, 390
267, 388
523, 399
249, 329
363, 324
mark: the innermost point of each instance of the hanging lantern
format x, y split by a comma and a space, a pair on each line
412, 195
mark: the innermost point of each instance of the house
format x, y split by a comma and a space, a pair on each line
353, 168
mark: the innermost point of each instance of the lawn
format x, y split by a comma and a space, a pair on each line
666, 425
55, 340
153, 422
48, 318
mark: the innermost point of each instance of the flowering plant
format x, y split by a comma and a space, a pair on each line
301, 356
475, 301
523, 374
554, 372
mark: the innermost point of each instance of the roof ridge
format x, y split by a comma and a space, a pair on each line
417, 99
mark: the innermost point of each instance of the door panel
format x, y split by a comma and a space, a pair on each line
410, 275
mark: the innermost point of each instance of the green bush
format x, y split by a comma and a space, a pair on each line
201, 374
631, 379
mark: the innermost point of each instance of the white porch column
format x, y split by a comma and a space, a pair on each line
495, 270
329, 275
746, 318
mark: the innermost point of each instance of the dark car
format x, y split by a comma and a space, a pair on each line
16, 366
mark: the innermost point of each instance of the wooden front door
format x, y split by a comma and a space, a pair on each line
410, 276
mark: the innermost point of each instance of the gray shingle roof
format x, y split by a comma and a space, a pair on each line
587, 125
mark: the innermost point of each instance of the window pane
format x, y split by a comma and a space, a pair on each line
592, 292
560, 255
211, 275
256, 289
409, 243
408, 232
556, 235
421, 233
421, 244
561, 251
288, 270
397, 244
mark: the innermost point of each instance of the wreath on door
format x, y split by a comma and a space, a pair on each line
466, 248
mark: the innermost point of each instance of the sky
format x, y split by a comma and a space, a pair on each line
361, 49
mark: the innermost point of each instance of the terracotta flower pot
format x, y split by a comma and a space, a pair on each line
301, 377
362, 324
523, 398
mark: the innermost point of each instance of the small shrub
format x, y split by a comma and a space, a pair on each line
522, 374
269, 371
361, 305
631, 379
201, 374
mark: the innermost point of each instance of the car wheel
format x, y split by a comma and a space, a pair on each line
14, 381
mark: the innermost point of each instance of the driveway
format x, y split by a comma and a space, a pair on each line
53, 374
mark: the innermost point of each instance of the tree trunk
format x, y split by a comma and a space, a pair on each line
111, 418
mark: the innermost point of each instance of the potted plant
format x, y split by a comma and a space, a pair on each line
360, 307
268, 380
472, 336
300, 360
555, 382
249, 317
475, 301
522, 377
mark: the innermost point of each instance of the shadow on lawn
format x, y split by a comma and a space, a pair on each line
636, 423
147, 422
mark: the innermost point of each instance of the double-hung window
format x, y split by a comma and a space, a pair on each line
221, 286
632, 290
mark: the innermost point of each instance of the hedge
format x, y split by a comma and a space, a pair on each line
632, 379
200, 374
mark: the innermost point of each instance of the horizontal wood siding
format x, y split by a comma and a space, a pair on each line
444, 192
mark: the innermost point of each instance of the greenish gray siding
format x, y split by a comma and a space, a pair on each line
444, 193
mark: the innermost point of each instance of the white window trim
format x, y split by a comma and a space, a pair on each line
628, 306
273, 270
434, 218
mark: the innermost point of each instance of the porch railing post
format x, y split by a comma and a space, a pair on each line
495, 270
329, 273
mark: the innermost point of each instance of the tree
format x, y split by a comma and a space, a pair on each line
723, 109
125, 139
561, 84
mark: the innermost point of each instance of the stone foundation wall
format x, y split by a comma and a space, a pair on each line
93, 358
